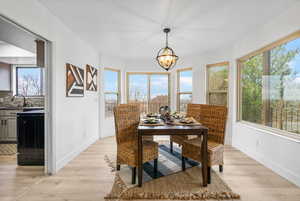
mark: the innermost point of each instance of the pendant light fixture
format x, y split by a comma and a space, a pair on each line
166, 57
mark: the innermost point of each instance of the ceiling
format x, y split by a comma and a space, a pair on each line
133, 28
12, 54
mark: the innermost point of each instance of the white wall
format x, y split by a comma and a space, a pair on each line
75, 122
276, 152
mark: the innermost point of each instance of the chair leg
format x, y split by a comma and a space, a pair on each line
155, 168
183, 163
209, 175
171, 146
133, 175
220, 168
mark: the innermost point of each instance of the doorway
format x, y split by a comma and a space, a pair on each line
25, 96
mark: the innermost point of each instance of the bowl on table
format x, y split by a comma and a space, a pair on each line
155, 115
151, 120
187, 120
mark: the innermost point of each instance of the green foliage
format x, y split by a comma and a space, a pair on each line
281, 73
252, 72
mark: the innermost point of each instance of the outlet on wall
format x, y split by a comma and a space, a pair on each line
257, 143
1, 100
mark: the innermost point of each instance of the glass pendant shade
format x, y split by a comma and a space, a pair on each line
166, 57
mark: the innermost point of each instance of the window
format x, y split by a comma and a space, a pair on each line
184, 88
151, 90
111, 90
269, 80
29, 81
217, 83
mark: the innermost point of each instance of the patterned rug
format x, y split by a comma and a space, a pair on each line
8, 149
171, 184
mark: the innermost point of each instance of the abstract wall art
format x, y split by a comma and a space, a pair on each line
91, 78
75, 81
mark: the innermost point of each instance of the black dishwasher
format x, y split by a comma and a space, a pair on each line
31, 137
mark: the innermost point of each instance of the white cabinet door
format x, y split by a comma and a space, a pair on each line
12, 129
3, 129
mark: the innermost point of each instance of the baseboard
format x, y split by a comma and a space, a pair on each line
277, 168
69, 157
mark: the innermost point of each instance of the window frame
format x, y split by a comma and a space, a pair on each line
178, 87
148, 84
16, 75
239, 62
118, 92
225, 63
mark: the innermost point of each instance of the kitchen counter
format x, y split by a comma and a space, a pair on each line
21, 108
31, 112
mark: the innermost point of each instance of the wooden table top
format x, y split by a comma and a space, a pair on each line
171, 129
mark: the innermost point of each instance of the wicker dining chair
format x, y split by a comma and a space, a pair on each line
214, 118
193, 110
127, 118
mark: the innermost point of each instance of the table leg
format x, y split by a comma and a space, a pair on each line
140, 160
204, 158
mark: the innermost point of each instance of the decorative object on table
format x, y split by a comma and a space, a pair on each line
91, 78
164, 112
74, 81
193, 110
127, 118
185, 187
166, 57
214, 118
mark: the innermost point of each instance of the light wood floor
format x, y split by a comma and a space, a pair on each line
88, 178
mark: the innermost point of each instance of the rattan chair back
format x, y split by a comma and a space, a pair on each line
127, 118
214, 118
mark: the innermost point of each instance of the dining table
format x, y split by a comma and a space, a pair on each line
167, 129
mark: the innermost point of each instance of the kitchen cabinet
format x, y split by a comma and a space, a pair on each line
12, 129
8, 125
3, 129
30, 132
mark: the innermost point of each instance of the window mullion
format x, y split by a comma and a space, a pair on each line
149, 91
266, 110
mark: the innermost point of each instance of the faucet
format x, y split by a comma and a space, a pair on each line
24, 99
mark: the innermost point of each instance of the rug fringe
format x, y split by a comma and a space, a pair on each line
176, 196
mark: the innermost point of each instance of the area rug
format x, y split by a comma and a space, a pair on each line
171, 184
8, 149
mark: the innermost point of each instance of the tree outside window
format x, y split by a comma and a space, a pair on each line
270, 87
29, 81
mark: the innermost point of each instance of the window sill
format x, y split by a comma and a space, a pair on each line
271, 131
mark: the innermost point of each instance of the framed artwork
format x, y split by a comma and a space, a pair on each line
91, 78
75, 81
